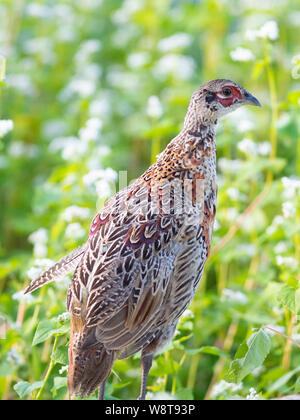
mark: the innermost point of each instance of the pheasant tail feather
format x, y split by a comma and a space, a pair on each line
90, 362
64, 266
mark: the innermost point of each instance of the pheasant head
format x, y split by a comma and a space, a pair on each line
215, 99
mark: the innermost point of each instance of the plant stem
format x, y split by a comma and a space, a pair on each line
286, 359
274, 111
221, 362
51, 365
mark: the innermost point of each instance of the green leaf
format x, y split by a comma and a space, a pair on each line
215, 351
283, 380
6, 369
60, 355
59, 382
25, 388
164, 367
258, 347
297, 386
47, 329
286, 297
184, 394
297, 302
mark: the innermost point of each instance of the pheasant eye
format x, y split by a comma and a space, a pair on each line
227, 91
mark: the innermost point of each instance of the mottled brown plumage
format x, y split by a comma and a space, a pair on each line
147, 248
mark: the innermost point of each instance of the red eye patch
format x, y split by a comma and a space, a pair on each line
228, 100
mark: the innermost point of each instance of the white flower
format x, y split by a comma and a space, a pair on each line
248, 146
87, 48
44, 263
21, 82
248, 249
14, 357
188, 314
288, 209
181, 67
99, 107
137, 60
63, 369
289, 262
154, 107
231, 214
77, 212
82, 87
234, 194
103, 188
21, 297
38, 10
176, 41
94, 175
98, 153
90, 72
91, 130
74, 231
129, 7
245, 125
54, 128
294, 17
21, 149
296, 337
242, 54
284, 120
253, 395
89, 4
124, 80
65, 316
291, 187
230, 166
39, 237
251, 34
280, 248
269, 30
5, 127
41, 46
71, 147
216, 225
276, 223
34, 272
264, 148
235, 296
223, 386
242, 119
40, 250
66, 33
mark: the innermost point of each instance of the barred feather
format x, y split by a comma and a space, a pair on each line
58, 270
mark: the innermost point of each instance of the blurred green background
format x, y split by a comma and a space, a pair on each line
94, 87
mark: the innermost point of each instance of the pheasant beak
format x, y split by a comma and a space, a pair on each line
250, 99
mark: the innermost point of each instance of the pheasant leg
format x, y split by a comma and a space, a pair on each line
146, 362
101, 390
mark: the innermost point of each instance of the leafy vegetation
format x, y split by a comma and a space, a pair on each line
95, 87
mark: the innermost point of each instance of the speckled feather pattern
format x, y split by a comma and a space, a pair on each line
145, 256
147, 248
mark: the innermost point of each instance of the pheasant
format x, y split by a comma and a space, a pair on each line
146, 250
